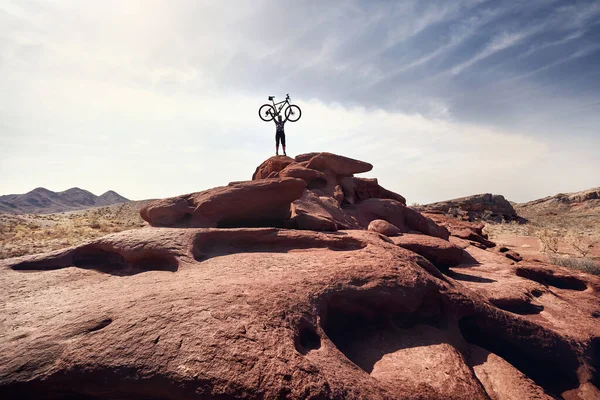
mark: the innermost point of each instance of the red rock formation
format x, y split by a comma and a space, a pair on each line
334, 199
198, 313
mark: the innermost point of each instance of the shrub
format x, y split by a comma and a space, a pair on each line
583, 244
580, 263
549, 240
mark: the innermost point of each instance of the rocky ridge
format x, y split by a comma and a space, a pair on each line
275, 288
479, 207
583, 201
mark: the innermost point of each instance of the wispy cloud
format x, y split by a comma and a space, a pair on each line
498, 44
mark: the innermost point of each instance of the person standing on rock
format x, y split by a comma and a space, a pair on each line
279, 134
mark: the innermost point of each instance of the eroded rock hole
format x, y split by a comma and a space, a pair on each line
318, 183
459, 276
542, 356
367, 325
100, 325
113, 263
155, 262
306, 338
252, 223
42, 265
216, 243
537, 292
98, 259
595, 346
549, 279
518, 306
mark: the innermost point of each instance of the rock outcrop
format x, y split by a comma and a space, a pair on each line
480, 207
315, 191
325, 308
585, 201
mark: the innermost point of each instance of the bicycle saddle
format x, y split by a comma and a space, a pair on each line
271, 97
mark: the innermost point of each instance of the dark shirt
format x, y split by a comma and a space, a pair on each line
279, 125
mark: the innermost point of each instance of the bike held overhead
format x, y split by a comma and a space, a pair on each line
272, 112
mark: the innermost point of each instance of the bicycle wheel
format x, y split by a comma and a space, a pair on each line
293, 113
266, 112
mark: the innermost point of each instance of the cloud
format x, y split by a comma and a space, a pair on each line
499, 43
445, 98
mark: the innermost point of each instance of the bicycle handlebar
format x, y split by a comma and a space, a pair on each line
287, 97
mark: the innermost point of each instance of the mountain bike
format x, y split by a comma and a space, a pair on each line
267, 112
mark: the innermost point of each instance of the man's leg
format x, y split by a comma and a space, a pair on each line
283, 143
277, 144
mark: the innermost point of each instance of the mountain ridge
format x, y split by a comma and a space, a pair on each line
44, 201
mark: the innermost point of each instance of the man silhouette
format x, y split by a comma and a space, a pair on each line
279, 134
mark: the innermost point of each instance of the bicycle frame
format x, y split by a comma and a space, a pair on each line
283, 103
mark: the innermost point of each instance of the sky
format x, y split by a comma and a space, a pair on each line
159, 98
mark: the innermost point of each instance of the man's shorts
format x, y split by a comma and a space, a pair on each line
280, 136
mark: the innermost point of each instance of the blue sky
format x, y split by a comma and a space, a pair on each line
157, 98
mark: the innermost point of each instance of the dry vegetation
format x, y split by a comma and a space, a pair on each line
568, 239
22, 234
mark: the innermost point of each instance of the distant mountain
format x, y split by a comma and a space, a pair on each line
44, 201
585, 201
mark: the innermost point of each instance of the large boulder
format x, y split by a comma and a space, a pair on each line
384, 227
296, 170
440, 252
309, 213
339, 165
252, 203
320, 213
